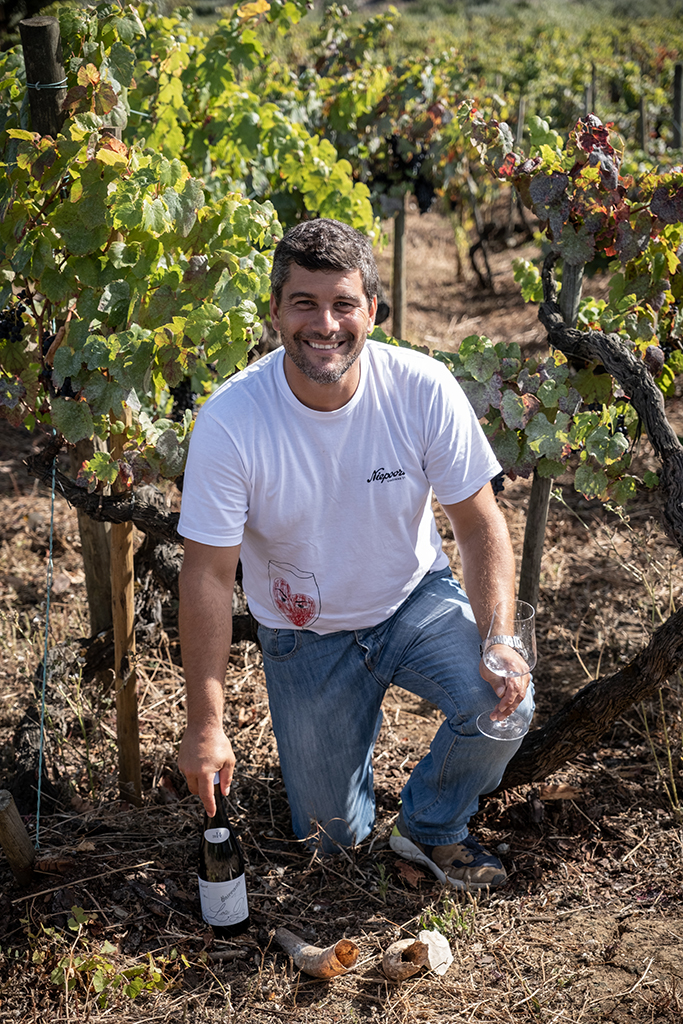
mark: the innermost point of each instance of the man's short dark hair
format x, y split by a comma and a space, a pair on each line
327, 245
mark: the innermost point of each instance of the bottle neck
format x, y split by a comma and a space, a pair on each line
220, 818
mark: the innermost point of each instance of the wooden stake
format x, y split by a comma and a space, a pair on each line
123, 615
677, 139
398, 298
519, 138
95, 549
539, 499
319, 963
15, 840
42, 46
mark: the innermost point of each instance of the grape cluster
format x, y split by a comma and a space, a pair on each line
11, 322
411, 170
621, 427
183, 398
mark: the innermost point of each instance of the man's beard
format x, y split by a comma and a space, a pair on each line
321, 374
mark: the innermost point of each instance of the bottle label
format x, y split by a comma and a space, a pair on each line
217, 835
224, 903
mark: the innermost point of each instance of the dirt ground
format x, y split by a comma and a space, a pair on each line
588, 927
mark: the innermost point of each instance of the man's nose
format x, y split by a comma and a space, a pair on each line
325, 320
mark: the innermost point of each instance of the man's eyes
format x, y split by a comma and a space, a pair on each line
343, 306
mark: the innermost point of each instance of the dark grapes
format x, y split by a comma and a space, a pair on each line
183, 398
11, 323
621, 427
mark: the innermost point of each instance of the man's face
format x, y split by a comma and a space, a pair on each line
323, 319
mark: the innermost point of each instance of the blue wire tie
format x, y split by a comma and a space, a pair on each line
47, 625
52, 85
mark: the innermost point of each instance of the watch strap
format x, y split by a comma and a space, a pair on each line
509, 641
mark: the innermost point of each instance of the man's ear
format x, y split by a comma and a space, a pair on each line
372, 312
274, 317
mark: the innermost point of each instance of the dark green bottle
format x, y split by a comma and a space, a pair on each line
222, 883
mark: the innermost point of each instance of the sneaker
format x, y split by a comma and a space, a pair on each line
464, 865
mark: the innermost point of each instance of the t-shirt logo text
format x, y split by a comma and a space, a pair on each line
382, 474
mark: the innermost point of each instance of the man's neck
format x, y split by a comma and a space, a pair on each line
322, 397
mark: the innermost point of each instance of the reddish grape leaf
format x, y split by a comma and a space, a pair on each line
559, 791
55, 864
409, 873
577, 245
667, 204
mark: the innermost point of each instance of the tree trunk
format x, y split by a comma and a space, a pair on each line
588, 714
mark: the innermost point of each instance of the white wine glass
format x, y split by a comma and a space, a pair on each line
513, 625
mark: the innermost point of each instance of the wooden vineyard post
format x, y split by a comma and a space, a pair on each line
398, 297
539, 499
95, 549
514, 198
125, 676
45, 75
677, 140
15, 840
642, 124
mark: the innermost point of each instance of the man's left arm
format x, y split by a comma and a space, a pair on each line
488, 564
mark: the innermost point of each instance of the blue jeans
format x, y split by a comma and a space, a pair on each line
325, 695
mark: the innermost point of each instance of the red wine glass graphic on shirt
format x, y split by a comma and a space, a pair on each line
294, 593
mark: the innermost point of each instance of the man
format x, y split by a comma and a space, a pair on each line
316, 466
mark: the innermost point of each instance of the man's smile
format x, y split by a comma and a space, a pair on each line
326, 346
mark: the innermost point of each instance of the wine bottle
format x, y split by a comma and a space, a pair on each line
222, 884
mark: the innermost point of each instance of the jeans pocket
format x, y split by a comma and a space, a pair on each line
279, 644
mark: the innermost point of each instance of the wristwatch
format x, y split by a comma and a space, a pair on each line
509, 641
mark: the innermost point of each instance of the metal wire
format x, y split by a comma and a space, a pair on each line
45, 651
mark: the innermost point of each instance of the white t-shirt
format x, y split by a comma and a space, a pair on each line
333, 509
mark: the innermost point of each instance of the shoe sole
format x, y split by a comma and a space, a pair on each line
409, 851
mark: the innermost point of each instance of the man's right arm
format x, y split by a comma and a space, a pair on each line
207, 580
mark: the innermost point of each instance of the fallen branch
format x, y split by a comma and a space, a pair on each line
115, 508
404, 958
580, 723
319, 963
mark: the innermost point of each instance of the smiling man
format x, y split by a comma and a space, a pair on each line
316, 467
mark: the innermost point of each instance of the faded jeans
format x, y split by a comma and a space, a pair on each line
325, 695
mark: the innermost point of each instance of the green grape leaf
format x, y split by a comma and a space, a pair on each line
605, 446
482, 396
122, 60
570, 402
507, 448
479, 358
103, 467
546, 438
12, 390
622, 491
171, 453
517, 410
590, 482
72, 418
595, 388
550, 468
